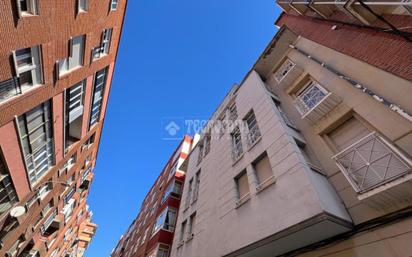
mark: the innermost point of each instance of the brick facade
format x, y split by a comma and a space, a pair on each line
52, 28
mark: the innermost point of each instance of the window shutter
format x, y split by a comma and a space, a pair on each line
263, 169
243, 185
348, 133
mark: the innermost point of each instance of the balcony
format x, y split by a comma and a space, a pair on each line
372, 162
326, 8
9, 88
51, 224
314, 107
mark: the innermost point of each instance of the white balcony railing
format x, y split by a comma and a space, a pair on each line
371, 162
319, 106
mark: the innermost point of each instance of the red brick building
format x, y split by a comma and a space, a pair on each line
376, 32
56, 65
151, 233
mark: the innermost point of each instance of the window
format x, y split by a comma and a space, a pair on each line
28, 65
98, 91
36, 137
367, 159
8, 194
189, 194
44, 190
208, 139
263, 170
196, 188
237, 149
27, 7
284, 70
166, 220
182, 231
172, 171
113, 5
200, 152
82, 6
253, 128
68, 209
190, 228
310, 96
75, 58
160, 251
242, 186
233, 112
104, 47
174, 189
74, 113
285, 118
15, 247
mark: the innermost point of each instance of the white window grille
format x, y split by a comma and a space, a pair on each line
48, 221
27, 63
75, 58
104, 47
8, 194
253, 128
372, 161
311, 95
237, 149
27, 7
75, 95
98, 91
284, 70
37, 140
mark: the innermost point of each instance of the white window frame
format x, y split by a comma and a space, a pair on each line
303, 93
79, 6
35, 68
284, 70
113, 5
32, 8
65, 66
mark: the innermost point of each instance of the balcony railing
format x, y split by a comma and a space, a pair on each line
314, 112
9, 88
371, 162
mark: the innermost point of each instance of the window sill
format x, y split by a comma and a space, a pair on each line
65, 74
254, 143
242, 200
237, 159
180, 244
190, 237
265, 184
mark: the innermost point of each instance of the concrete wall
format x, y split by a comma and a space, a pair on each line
354, 102
221, 227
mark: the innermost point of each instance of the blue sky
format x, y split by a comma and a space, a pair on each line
178, 58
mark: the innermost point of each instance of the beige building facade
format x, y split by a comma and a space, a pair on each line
309, 156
